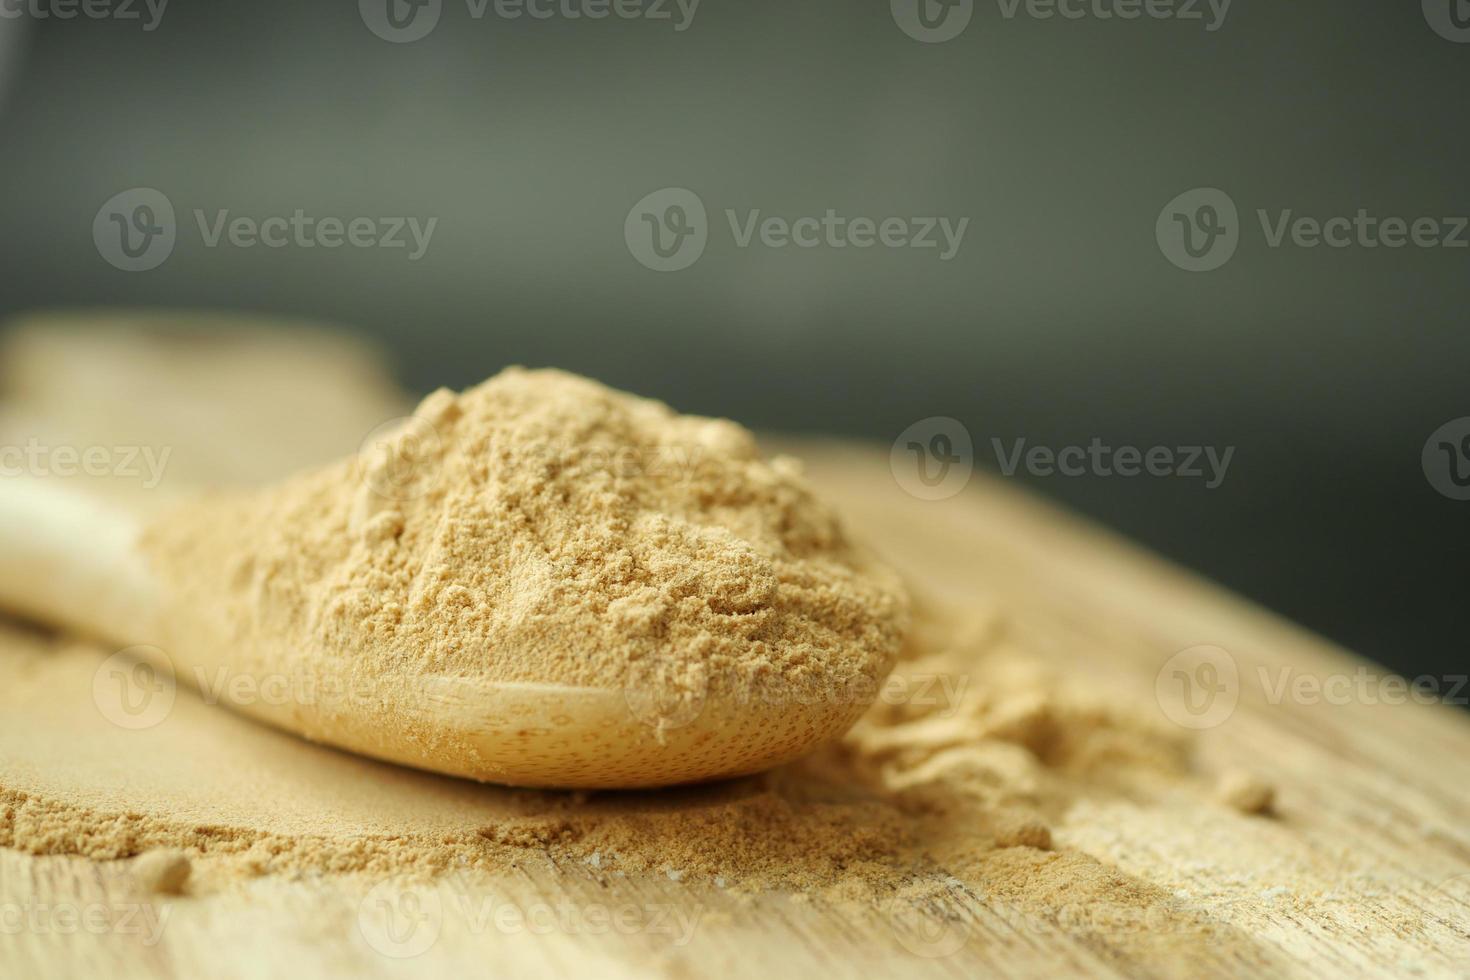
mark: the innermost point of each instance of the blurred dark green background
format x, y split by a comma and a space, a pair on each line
1059, 320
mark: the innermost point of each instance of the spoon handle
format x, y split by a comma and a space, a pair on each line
69, 558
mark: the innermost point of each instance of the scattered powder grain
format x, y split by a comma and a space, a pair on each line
1246, 792
163, 872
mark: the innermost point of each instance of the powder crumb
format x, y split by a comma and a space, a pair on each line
385, 526
1246, 792
1024, 833
162, 872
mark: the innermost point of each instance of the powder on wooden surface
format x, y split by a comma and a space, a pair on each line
990, 772
970, 753
540, 528
921, 787
991, 768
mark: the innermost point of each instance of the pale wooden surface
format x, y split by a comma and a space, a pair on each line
1357, 874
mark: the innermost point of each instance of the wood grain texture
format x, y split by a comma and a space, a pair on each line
1364, 870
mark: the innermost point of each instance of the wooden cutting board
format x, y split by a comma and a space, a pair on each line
1364, 869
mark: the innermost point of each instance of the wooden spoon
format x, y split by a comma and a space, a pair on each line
72, 559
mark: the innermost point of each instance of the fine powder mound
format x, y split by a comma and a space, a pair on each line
537, 528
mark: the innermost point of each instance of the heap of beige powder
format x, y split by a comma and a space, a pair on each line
538, 528
975, 789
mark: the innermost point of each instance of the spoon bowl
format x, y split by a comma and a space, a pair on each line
73, 560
